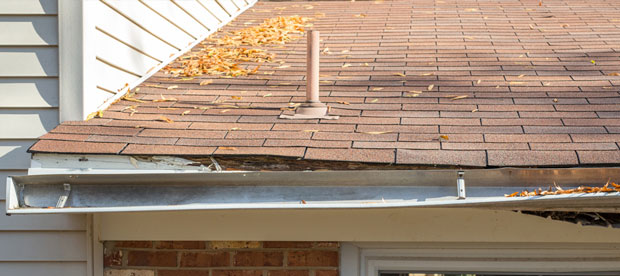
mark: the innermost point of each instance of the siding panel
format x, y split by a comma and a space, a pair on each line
29, 7
3, 176
27, 123
28, 61
28, 30
54, 222
43, 246
152, 21
28, 92
200, 13
13, 155
122, 55
115, 24
178, 16
44, 269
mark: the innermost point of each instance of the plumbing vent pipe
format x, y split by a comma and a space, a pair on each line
313, 108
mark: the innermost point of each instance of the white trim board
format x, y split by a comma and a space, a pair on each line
368, 259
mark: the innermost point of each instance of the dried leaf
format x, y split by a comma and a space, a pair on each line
267, 95
283, 66
614, 74
459, 97
366, 64
474, 111
172, 87
235, 128
374, 100
225, 110
345, 103
185, 112
445, 137
227, 148
361, 15
206, 82
377, 89
593, 62
165, 119
310, 130
430, 87
399, 74
428, 74
478, 82
235, 97
346, 65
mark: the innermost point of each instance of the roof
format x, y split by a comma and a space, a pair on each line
541, 87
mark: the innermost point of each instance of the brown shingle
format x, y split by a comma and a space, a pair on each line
528, 103
443, 157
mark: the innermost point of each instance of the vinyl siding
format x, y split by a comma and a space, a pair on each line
32, 245
133, 38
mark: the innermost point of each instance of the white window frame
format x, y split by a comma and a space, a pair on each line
368, 259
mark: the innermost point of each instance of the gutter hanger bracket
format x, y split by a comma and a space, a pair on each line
460, 185
62, 200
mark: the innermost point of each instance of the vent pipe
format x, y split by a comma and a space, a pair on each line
313, 108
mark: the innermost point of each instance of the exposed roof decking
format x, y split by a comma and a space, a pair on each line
537, 78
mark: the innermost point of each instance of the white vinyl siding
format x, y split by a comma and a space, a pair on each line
29, 100
126, 41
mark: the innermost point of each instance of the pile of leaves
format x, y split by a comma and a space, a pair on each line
557, 190
223, 55
272, 31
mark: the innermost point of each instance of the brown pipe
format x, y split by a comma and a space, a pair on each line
312, 70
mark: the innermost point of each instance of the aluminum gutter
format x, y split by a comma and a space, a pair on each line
96, 193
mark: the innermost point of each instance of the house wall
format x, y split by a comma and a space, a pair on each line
126, 41
221, 258
29, 106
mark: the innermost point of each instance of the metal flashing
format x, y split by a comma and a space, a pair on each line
124, 192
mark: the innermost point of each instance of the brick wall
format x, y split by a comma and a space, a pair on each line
220, 258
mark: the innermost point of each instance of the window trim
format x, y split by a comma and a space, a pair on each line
367, 259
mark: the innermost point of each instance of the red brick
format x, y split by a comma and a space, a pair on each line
182, 273
288, 273
287, 244
258, 258
237, 273
167, 150
76, 147
354, 155
313, 258
326, 272
112, 257
531, 158
152, 258
133, 244
205, 259
180, 245
441, 157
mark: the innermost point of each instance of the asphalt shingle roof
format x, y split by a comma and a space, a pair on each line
540, 81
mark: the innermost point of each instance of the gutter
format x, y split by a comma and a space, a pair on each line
131, 192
